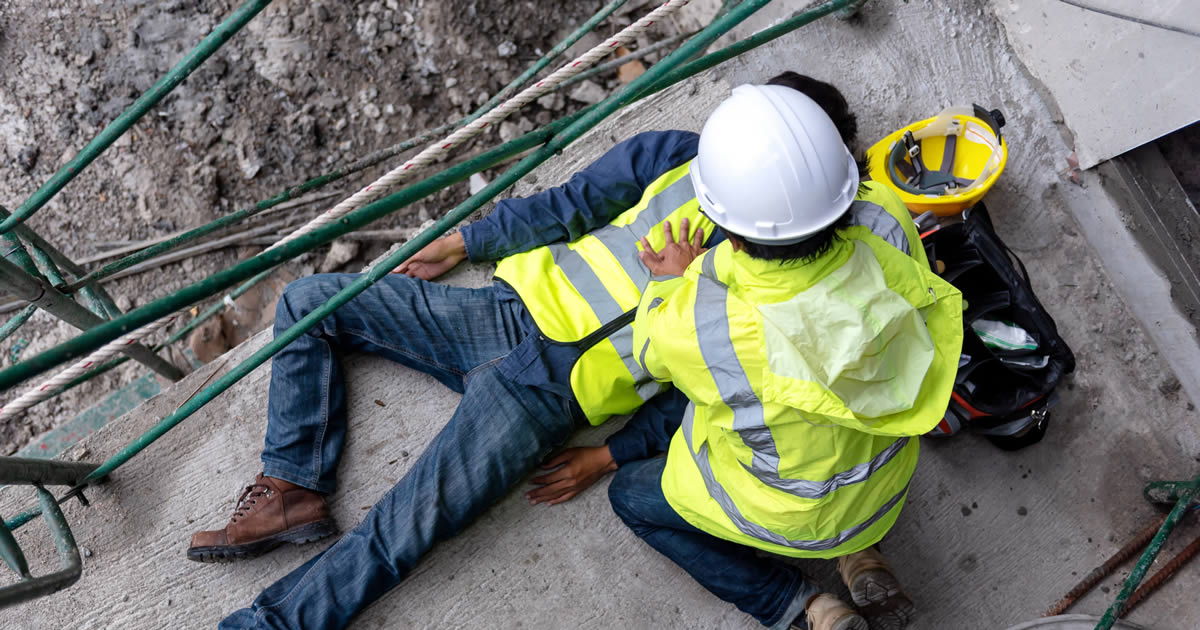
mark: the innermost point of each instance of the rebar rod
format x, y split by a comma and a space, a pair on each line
1163, 575
134, 112
1098, 574
191, 235
1143, 565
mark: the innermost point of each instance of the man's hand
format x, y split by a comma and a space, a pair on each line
578, 469
675, 255
435, 258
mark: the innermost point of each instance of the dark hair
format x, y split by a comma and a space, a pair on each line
831, 100
805, 251
828, 97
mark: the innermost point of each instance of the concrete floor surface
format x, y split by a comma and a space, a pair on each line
988, 539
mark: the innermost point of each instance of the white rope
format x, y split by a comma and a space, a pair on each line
434, 151
429, 155
107, 351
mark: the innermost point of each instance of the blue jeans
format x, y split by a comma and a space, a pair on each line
765, 587
499, 432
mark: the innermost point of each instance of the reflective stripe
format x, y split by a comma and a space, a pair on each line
708, 267
881, 223
716, 346
646, 346
646, 386
581, 275
749, 528
807, 489
622, 240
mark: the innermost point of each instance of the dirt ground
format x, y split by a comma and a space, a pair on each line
305, 87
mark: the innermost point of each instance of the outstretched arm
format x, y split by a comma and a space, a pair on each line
646, 434
590, 199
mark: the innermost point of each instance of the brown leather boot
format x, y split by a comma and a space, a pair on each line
875, 590
827, 612
269, 513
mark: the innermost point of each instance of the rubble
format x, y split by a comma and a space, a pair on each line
302, 89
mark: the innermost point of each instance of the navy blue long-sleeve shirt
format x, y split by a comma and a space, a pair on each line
590, 199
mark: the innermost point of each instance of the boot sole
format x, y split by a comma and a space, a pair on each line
879, 598
310, 532
853, 622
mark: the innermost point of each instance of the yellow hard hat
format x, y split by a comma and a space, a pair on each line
943, 164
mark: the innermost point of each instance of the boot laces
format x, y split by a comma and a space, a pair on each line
249, 498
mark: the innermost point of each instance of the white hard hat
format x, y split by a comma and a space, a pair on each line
772, 167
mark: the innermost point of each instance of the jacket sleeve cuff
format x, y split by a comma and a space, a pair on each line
627, 446
476, 238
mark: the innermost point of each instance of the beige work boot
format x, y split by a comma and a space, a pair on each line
827, 612
875, 590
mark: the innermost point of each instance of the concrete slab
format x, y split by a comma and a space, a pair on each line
988, 539
1118, 83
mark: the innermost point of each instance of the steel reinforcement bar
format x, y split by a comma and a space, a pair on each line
134, 112
658, 77
1187, 495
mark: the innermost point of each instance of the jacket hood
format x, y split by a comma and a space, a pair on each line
851, 350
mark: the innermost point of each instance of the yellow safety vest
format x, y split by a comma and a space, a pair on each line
807, 384
585, 293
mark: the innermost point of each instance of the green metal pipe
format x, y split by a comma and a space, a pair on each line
385, 266
97, 337
613, 64
29, 236
51, 272
15, 252
70, 565
764, 36
1143, 565
143, 104
38, 291
208, 228
28, 471
49, 259
584, 120
11, 553
16, 321
103, 333
676, 75
354, 167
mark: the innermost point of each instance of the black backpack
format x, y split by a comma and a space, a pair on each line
1002, 392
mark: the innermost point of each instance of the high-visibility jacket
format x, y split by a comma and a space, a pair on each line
808, 383
586, 293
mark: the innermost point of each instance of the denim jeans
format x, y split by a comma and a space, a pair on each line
765, 587
499, 432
